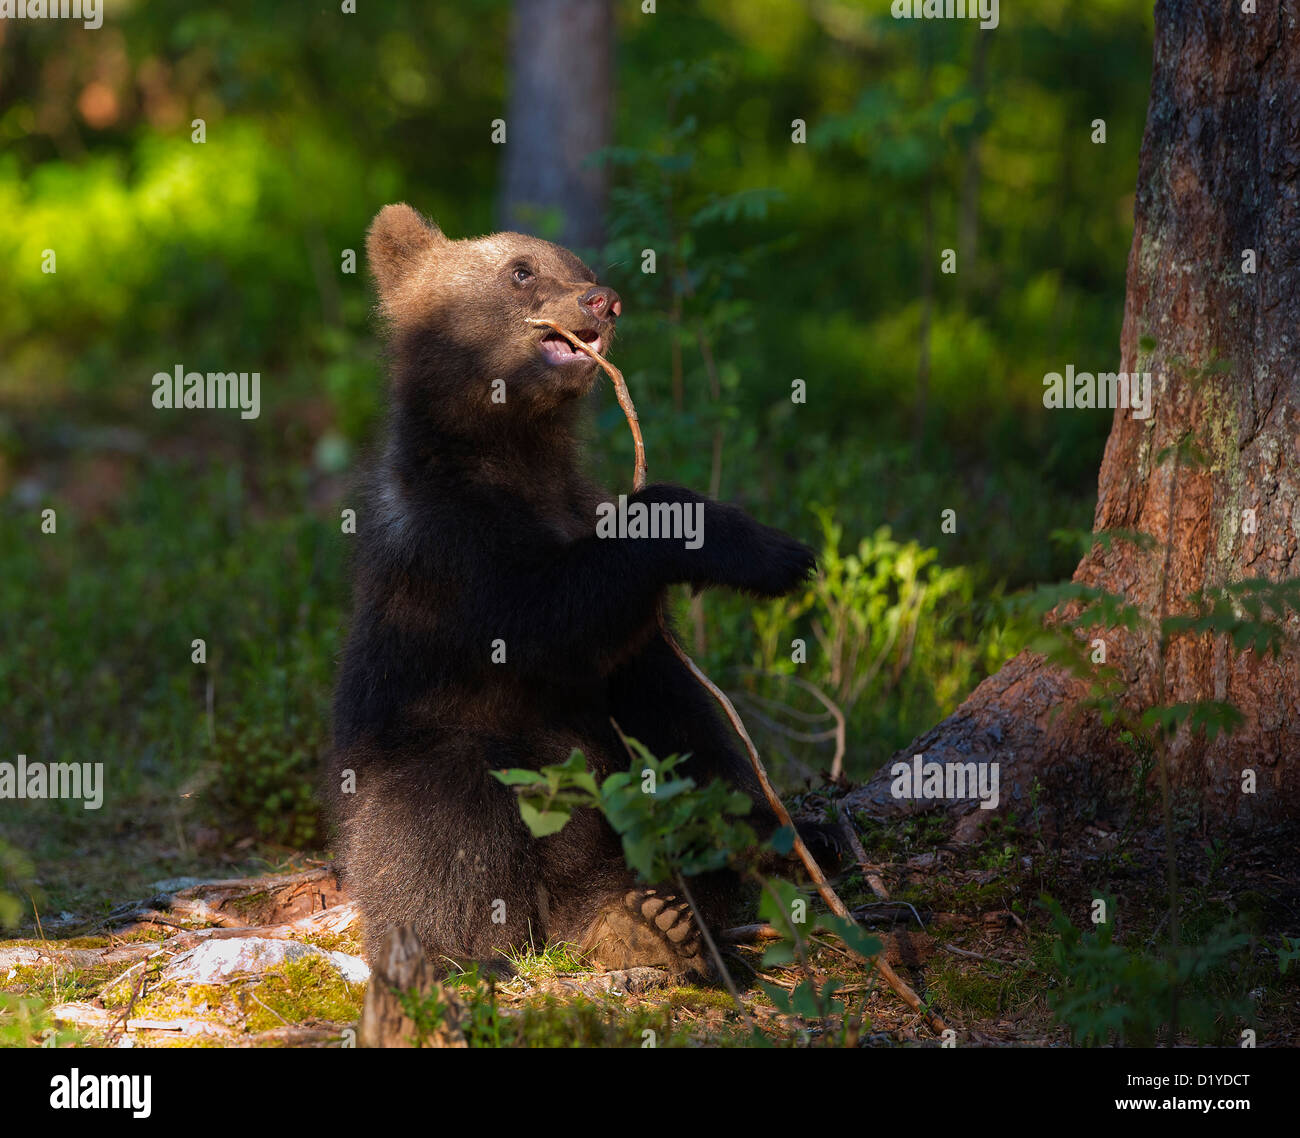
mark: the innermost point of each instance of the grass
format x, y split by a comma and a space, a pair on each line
547, 963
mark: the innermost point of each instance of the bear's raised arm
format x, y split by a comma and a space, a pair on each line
588, 599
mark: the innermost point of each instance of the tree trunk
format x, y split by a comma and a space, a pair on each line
560, 112
1217, 177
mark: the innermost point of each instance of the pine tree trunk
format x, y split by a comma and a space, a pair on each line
560, 112
1217, 178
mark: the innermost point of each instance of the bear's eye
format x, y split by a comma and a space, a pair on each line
521, 275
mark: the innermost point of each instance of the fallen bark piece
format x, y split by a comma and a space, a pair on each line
240, 902
750, 934
83, 1015
26, 956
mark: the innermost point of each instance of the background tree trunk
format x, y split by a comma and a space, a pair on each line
560, 112
1217, 177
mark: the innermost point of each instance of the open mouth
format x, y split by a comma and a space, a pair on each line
557, 350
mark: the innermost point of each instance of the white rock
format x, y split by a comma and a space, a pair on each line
219, 959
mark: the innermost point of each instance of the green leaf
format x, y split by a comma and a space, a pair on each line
542, 823
779, 996
518, 777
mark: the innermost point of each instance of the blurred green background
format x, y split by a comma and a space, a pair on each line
776, 261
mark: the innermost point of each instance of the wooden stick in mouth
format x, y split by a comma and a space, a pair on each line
621, 393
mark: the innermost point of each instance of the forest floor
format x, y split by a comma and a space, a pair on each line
963, 924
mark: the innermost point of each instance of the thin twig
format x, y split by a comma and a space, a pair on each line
253, 996
837, 763
621, 393
781, 729
978, 955
871, 877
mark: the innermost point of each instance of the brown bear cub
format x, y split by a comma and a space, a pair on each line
493, 628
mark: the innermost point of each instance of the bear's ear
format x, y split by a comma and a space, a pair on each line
398, 237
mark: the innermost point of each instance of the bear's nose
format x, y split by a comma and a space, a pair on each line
601, 301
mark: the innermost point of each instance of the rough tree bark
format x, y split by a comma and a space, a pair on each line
1217, 177
560, 112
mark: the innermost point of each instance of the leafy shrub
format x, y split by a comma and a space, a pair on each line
264, 779
1110, 991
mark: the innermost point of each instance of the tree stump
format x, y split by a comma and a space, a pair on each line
402, 969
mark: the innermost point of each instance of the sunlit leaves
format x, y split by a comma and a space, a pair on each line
667, 824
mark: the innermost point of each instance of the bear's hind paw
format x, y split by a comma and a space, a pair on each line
648, 928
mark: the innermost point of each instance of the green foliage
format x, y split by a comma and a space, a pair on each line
25, 1022
1109, 991
541, 1022
668, 825
807, 999
548, 796
785, 907
1207, 716
99, 619
897, 641
813, 997
428, 1010
671, 830
265, 776
1082, 541
15, 880
1252, 613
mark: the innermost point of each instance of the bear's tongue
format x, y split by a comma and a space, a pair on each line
557, 350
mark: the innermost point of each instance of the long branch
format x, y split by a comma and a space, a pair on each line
828, 894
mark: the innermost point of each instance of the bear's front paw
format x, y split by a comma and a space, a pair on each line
744, 554
648, 928
781, 566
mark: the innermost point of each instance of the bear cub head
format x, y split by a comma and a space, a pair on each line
458, 311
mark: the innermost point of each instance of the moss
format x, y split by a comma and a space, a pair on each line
57, 984
336, 942
135, 937
974, 994
301, 991
701, 999
906, 838
201, 997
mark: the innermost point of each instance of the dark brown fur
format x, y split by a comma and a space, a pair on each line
478, 527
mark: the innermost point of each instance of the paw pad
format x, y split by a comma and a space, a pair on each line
649, 928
